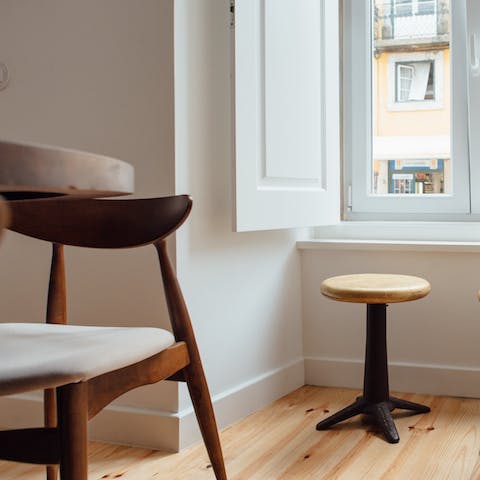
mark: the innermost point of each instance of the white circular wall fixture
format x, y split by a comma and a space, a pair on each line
4, 76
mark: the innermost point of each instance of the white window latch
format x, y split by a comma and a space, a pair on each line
474, 60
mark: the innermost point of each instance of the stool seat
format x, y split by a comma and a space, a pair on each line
375, 288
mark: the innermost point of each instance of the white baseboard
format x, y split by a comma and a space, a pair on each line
164, 430
245, 399
115, 424
449, 380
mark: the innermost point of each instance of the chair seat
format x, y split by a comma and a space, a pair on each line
36, 356
375, 288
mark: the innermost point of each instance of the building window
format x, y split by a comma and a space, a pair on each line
414, 7
403, 183
426, 7
415, 81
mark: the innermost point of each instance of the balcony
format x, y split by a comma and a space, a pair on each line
411, 25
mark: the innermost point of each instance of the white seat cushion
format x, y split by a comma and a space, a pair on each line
34, 355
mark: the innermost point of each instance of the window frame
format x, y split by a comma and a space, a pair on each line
358, 138
399, 78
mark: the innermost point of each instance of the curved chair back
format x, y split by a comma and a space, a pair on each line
100, 223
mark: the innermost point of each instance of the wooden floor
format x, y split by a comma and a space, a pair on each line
280, 442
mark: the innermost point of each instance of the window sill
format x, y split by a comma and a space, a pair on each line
398, 236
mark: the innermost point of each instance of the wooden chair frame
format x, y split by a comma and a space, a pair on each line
63, 440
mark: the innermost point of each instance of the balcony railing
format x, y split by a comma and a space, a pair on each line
411, 19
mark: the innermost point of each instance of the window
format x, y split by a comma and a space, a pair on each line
403, 183
414, 7
409, 17
415, 81
426, 7
407, 86
406, 135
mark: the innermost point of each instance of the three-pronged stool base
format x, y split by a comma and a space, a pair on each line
379, 412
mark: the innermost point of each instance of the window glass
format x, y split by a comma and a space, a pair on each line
426, 7
403, 7
410, 53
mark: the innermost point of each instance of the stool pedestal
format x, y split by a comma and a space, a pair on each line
376, 400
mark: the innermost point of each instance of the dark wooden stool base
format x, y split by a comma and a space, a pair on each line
376, 400
379, 412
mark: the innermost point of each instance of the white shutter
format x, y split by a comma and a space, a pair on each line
286, 113
418, 90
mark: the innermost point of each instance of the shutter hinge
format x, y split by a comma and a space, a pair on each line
349, 197
232, 13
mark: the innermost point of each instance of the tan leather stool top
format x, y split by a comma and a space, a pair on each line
375, 288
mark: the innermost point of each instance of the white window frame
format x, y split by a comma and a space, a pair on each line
357, 131
399, 78
394, 60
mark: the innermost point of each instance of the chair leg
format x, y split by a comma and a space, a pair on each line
52, 472
50, 415
198, 389
56, 313
72, 407
194, 375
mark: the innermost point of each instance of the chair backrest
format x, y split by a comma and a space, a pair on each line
100, 223
105, 224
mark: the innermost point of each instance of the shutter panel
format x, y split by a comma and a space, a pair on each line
420, 80
286, 113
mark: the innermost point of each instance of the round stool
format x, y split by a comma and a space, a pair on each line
376, 290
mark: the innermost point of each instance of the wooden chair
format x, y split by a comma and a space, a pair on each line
69, 362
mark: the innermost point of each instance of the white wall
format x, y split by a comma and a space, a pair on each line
243, 290
432, 342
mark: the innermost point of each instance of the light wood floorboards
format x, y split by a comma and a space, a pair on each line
280, 442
